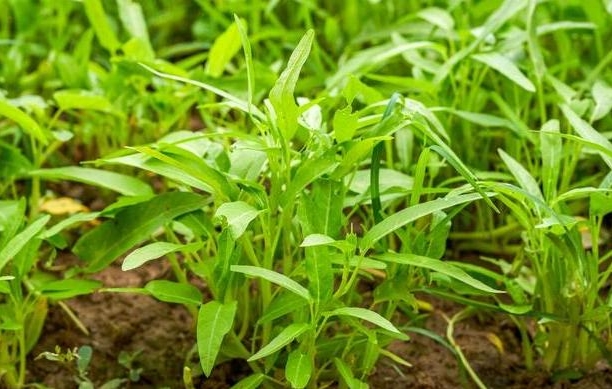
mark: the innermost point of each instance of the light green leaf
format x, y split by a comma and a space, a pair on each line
275, 278
248, 59
174, 292
81, 99
99, 21
14, 246
551, 147
64, 289
504, 12
317, 240
347, 375
364, 314
438, 266
253, 381
238, 216
189, 165
587, 132
234, 100
71, 220
298, 369
281, 305
223, 50
215, 320
345, 124
506, 68
602, 94
133, 225
410, 214
281, 95
120, 183
24, 121
133, 20
286, 336
437, 17
522, 175
156, 250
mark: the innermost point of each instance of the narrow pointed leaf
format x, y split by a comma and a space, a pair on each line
506, 68
286, 336
365, 314
120, 183
522, 175
410, 214
275, 278
25, 122
438, 266
281, 95
253, 381
19, 241
174, 292
133, 225
587, 132
155, 250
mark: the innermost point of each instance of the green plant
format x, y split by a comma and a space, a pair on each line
276, 213
80, 361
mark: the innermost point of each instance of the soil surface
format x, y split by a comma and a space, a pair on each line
161, 337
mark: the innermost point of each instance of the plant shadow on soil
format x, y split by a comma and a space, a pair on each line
164, 335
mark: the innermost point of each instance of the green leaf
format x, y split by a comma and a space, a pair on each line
506, 68
551, 148
281, 305
298, 369
236, 101
19, 241
71, 220
317, 240
410, 214
156, 250
120, 183
99, 21
345, 124
347, 375
223, 50
64, 289
308, 172
281, 95
248, 59
174, 292
587, 132
133, 20
133, 225
438, 266
504, 12
189, 165
253, 381
522, 175
215, 320
12, 162
81, 99
286, 336
364, 314
602, 94
275, 278
25, 122
12, 215
238, 215
437, 17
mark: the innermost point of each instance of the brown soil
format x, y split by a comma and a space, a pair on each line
164, 335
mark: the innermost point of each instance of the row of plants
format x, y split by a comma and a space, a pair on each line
289, 154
